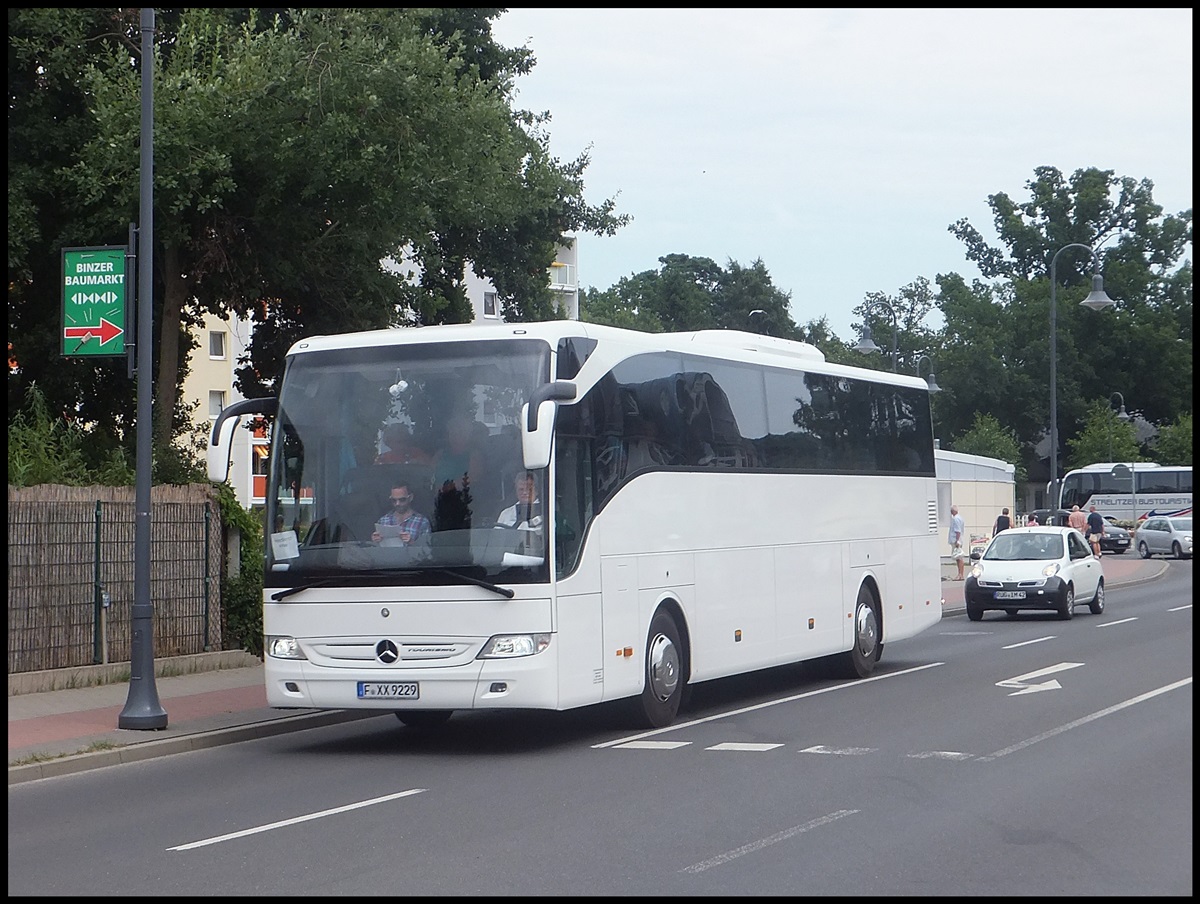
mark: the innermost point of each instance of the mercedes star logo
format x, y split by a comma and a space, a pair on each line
386, 652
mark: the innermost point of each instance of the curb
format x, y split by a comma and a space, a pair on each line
81, 762
118, 672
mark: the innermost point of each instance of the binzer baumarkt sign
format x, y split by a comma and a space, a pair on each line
94, 296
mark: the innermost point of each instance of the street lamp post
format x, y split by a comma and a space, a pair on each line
1124, 416
866, 345
1096, 300
931, 378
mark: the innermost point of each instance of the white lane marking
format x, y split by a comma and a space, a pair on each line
1052, 684
765, 842
737, 712
1180, 608
1141, 698
1025, 643
652, 745
299, 819
1121, 622
733, 745
838, 751
941, 755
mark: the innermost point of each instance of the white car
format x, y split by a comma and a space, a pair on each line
1168, 536
1044, 567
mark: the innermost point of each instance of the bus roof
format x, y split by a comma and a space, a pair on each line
735, 345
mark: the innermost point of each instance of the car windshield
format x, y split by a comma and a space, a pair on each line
1183, 524
1012, 546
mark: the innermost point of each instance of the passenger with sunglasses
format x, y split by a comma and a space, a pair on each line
401, 525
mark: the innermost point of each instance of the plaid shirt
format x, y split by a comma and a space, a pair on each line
414, 523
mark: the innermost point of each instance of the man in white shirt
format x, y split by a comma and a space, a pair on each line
957, 526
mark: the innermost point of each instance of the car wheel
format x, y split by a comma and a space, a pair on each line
974, 612
664, 682
859, 662
1177, 550
424, 719
1097, 603
1143, 549
1066, 609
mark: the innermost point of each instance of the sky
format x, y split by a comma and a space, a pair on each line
838, 145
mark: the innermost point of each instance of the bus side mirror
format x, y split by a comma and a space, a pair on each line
537, 422
219, 445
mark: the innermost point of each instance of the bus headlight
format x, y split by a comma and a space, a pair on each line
284, 648
510, 646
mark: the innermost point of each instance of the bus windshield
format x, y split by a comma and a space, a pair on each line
403, 462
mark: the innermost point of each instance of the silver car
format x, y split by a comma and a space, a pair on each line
1165, 536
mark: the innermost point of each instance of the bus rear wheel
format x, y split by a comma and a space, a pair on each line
664, 680
860, 661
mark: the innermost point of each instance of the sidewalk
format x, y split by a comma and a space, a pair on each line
60, 731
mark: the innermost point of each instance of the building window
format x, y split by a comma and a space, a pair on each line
489, 304
216, 403
216, 344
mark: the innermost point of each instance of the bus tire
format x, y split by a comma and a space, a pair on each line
424, 718
859, 661
663, 680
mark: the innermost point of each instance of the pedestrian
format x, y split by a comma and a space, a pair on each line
1003, 522
1031, 521
957, 526
1077, 520
1095, 526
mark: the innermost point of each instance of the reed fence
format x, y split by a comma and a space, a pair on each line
71, 574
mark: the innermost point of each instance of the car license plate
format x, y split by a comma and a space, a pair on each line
389, 690
1010, 594
1122, 542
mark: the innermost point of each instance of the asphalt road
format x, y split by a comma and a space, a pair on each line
1014, 756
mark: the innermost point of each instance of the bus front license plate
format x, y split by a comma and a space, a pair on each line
1010, 594
389, 690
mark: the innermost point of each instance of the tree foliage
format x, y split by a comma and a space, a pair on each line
987, 437
1104, 437
1174, 445
293, 153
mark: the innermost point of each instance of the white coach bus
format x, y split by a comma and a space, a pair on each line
707, 504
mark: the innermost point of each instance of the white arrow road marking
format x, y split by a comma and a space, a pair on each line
1020, 680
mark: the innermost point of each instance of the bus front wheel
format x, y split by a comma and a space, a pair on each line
664, 682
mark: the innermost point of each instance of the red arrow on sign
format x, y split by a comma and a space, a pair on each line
106, 332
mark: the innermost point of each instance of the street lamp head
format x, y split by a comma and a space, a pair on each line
1097, 299
866, 345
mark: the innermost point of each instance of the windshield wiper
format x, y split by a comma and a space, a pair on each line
506, 592
288, 591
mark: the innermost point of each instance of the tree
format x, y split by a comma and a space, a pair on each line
294, 152
694, 293
1104, 437
987, 437
1174, 446
911, 305
996, 337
